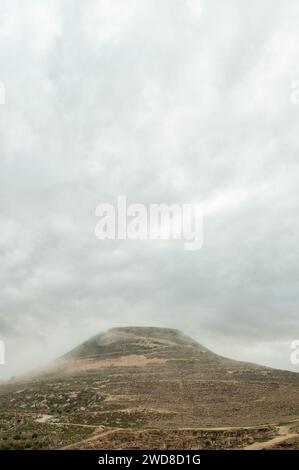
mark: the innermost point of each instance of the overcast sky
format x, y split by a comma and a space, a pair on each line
167, 101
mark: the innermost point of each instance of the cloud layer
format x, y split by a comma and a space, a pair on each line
162, 101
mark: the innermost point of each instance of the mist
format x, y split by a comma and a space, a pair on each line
169, 101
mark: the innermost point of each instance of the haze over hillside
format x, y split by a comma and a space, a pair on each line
150, 380
186, 103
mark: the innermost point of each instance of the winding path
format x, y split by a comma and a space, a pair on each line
283, 435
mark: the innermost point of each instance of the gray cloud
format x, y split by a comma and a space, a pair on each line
169, 101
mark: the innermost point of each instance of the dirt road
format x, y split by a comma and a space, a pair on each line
283, 435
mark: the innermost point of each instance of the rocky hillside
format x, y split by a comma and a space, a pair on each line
144, 382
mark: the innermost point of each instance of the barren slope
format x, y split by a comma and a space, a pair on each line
146, 380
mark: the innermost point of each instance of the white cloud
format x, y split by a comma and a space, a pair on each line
105, 22
165, 101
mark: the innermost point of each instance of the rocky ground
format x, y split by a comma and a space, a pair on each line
149, 388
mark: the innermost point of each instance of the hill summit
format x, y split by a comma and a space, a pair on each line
133, 340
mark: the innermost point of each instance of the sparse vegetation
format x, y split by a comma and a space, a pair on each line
171, 401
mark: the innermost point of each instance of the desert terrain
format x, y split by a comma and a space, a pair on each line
150, 388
